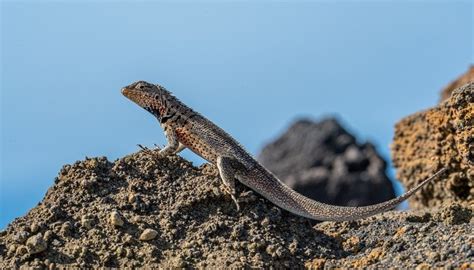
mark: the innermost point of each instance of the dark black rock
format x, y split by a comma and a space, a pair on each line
323, 161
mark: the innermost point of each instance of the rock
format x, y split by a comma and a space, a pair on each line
423, 266
196, 225
116, 219
455, 214
316, 264
34, 227
439, 137
324, 162
21, 236
66, 229
36, 244
148, 234
86, 222
462, 80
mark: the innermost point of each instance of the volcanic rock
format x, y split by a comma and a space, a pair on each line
325, 162
442, 136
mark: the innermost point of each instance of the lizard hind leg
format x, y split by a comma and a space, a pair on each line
227, 170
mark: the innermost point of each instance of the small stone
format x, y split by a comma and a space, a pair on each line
401, 231
119, 252
148, 234
433, 256
352, 244
66, 229
34, 227
127, 239
137, 219
48, 235
12, 249
132, 198
56, 242
116, 219
86, 222
271, 250
316, 264
252, 247
21, 237
128, 253
21, 250
265, 222
423, 266
36, 244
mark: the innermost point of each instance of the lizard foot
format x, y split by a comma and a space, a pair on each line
229, 191
151, 152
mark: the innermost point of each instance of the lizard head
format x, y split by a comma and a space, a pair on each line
146, 95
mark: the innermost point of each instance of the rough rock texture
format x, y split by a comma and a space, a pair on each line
462, 80
409, 240
323, 161
442, 136
139, 211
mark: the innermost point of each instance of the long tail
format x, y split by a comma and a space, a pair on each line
290, 200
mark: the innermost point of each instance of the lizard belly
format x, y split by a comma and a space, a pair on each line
195, 144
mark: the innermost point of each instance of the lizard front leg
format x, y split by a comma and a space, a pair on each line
227, 170
174, 146
180, 148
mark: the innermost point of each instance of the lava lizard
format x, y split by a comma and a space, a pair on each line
185, 128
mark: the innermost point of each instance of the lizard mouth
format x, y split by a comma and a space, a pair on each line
126, 92
132, 94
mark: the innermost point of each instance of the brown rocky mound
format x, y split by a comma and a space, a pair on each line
435, 138
139, 211
323, 161
462, 80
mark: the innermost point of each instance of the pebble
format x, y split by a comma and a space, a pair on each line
86, 222
21, 250
116, 219
36, 244
137, 219
12, 249
21, 237
148, 234
48, 235
423, 266
132, 197
66, 229
34, 227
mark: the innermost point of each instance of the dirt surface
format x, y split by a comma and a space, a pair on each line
439, 137
462, 80
325, 162
141, 211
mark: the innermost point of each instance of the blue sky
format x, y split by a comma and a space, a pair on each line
249, 67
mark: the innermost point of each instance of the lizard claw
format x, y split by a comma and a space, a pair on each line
234, 199
144, 148
236, 202
148, 151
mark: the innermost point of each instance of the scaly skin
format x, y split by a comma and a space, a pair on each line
185, 128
